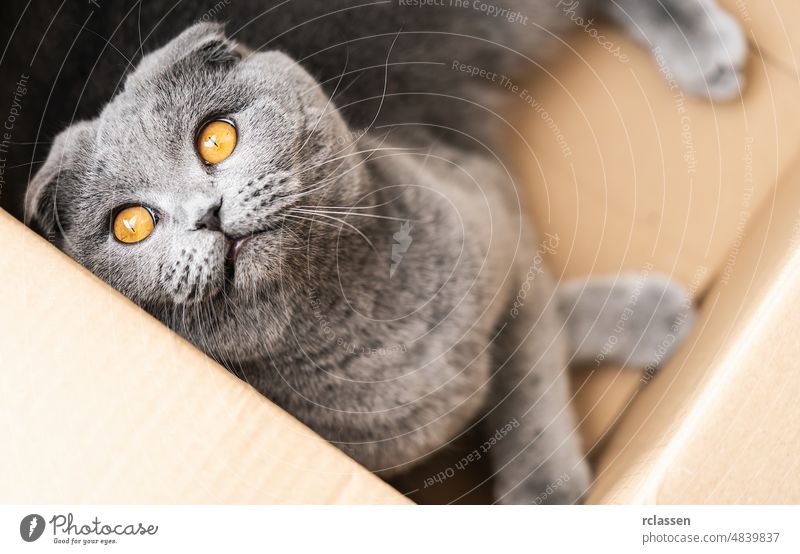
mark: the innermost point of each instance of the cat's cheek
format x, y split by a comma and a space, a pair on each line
127, 268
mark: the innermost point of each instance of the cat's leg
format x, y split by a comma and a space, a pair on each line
531, 430
699, 43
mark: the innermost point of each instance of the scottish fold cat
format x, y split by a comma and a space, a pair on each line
316, 200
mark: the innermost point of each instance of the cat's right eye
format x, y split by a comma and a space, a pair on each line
133, 224
216, 141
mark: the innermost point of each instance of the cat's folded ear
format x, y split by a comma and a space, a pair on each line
201, 44
41, 196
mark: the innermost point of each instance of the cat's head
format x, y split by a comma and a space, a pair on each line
171, 210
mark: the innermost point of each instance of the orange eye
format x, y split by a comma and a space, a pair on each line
133, 224
216, 141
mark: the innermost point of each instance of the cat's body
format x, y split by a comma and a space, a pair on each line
392, 291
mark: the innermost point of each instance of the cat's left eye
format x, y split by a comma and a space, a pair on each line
216, 141
133, 224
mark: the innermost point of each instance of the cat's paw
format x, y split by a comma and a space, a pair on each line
660, 320
709, 58
552, 485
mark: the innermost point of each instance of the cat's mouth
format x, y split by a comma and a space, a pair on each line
235, 246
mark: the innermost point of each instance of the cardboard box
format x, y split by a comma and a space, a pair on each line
103, 404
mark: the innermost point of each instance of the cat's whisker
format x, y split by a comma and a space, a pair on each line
208, 321
333, 178
385, 81
356, 153
349, 154
353, 227
284, 229
26, 164
350, 207
328, 103
336, 156
32, 142
321, 184
358, 214
370, 154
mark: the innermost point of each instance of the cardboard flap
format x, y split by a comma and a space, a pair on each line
100, 403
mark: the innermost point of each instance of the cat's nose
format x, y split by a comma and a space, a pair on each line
210, 220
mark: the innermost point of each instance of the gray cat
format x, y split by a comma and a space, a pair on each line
366, 264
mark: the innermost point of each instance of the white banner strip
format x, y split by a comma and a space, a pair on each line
399, 529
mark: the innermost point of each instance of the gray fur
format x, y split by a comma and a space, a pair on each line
382, 302
694, 40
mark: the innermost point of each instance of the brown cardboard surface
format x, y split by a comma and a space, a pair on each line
717, 425
630, 172
651, 175
771, 28
600, 396
100, 403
